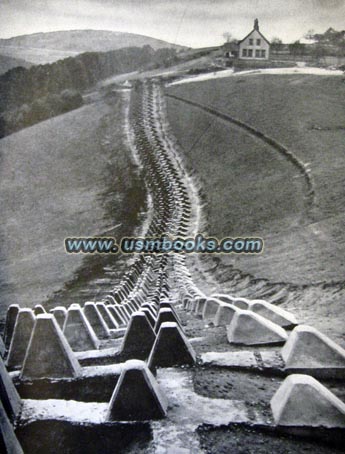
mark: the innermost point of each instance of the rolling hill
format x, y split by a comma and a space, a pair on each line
7, 63
40, 48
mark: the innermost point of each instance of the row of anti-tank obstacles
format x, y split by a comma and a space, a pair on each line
139, 322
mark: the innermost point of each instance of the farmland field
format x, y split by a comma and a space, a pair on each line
251, 189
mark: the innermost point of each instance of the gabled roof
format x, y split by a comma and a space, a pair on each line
254, 29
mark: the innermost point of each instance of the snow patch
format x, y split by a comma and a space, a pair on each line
278, 71
66, 410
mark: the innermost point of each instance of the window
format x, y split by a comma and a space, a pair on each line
244, 52
251, 41
258, 42
257, 53
250, 52
263, 54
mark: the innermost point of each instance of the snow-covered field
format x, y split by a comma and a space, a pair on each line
278, 71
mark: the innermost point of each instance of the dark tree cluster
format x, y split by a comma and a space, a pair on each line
28, 95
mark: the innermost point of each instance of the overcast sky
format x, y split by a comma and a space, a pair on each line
193, 23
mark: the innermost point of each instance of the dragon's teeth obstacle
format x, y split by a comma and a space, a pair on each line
303, 401
137, 395
49, 355
171, 348
59, 313
20, 340
309, 349
224, 314
10, 322
78, 330
139, 337
248, 328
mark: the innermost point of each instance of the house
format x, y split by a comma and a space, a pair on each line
254, 45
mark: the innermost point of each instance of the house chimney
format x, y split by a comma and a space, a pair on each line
256, 24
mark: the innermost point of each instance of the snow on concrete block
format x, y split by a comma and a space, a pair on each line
9, 396
49, 355
185, 300
96, 320
8, 440
39, 309
275, 314
137, 396
308, 348
223, 297
149, 316
171, 348
117, 315
241, 303
78, 331
224, 314
150, 307
210, 309
165, 315
20, 339
248, 328
59, 313
303, 401
11, 318
106, 315
139, 337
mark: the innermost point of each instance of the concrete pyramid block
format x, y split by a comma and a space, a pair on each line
224, 314
303, 401
20, 339
149, 316
241, 303
49, 355
185, 300
137, 396
210, 309
125, 311
11, 318
59, 313
248, 328
106, 315
8, 440
9, 396
307, 348
117, 315
39, 309
223, 297
2, 347
199, 305
150, 307
78, 331
274, 313
139, 337
96, 320
165, 315
171, 348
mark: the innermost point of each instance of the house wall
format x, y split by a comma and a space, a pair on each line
250, 48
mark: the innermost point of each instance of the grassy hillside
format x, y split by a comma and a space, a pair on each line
259, 191
40, 48
68, 176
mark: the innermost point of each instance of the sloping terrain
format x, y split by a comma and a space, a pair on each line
67, 176
253, 189
40, 48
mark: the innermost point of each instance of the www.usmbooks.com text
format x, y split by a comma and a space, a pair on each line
163, 245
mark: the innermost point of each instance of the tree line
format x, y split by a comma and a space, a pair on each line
29, 95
